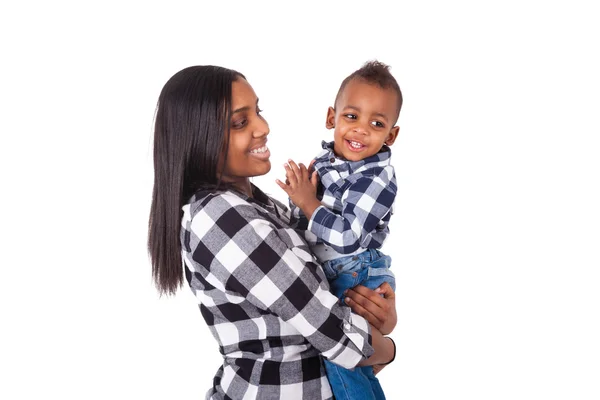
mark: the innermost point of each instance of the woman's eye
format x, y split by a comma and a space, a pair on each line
377, 124
239, 124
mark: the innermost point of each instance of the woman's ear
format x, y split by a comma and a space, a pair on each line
392, 136
330, 121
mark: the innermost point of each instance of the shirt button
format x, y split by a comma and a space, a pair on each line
332, 160
347, 326
354, 274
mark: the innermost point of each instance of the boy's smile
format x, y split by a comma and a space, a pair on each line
364, 119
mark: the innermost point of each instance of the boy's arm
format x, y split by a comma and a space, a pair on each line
365, 203
298, 220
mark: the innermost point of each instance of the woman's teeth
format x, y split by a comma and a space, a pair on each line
259, 150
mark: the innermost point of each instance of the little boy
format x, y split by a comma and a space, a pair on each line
344, 213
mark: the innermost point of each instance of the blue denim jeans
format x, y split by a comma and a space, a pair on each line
370, 268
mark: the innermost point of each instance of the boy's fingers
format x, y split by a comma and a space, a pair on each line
303, 171
294, 167
290, 175
314, 179
282, 185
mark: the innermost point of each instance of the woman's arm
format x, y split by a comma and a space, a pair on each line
381, 314
385, 350
272, 268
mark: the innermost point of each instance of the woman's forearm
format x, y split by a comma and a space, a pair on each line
384, 349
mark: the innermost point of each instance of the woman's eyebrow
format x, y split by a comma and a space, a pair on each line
246, 108
241, 109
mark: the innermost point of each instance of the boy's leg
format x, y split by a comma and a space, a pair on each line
346, 384
375, 385
351, 384
378, 271
342, 274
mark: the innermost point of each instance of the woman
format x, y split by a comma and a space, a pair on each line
266, 301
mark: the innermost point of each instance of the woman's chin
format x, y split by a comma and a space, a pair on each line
267, 167
262, 169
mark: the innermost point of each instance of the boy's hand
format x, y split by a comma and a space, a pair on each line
311, 167
301, 187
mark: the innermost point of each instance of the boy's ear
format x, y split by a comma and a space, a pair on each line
392, 136
330, 121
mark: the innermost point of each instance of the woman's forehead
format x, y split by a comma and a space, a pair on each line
242, 94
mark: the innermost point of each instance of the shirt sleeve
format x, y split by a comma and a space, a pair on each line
298, 220
273, 269
365, 203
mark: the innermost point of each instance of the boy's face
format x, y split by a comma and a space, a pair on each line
364, 119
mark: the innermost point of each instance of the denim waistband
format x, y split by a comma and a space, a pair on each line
367, 255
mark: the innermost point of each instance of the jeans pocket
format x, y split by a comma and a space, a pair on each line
351, 266
330, 271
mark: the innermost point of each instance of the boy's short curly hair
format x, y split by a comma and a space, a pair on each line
376, 73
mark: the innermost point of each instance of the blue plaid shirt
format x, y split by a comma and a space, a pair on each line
357, 198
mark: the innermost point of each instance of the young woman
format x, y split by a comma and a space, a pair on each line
263, 296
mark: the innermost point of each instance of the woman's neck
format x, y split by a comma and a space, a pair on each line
244, 186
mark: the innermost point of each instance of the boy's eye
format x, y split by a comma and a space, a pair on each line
377, 124
258, 110
350, 116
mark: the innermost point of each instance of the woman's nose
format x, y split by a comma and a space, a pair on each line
262, 128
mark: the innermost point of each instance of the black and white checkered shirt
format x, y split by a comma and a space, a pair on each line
357, 198
265, 300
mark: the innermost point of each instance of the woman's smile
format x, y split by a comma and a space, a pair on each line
262, 152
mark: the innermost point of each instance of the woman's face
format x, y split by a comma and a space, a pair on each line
248, 153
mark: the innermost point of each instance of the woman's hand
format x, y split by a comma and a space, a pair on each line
377, 368
379, 311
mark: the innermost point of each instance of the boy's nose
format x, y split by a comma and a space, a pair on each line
360, 131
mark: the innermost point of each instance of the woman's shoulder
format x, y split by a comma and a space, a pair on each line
214, 203
229, 206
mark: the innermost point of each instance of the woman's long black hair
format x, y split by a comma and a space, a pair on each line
190, 133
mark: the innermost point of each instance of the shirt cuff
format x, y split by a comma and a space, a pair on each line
358, 331
315, 223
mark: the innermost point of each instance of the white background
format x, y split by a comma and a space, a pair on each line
496, 238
